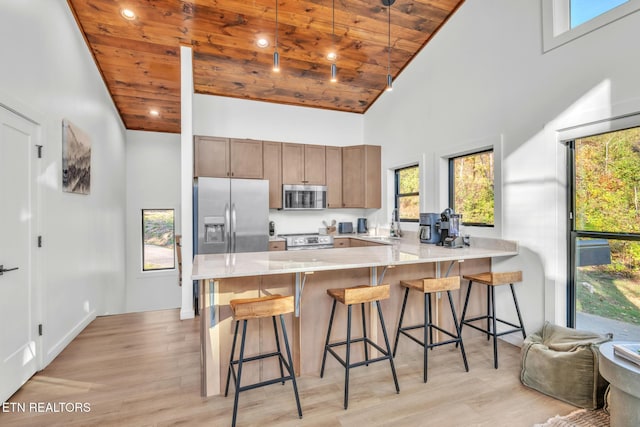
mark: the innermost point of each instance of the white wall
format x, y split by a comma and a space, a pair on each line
238, 118
153, 182
48, 74
484, 77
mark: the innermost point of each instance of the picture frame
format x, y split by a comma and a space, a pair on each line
76, 159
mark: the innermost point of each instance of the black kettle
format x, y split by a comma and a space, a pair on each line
362, 226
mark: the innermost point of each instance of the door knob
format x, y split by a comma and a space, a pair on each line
4, 270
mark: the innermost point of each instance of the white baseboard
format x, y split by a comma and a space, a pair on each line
57, 348
187, 314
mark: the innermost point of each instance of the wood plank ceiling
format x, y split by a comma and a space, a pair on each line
140, 58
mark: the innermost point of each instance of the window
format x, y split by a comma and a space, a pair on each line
471, 188
408, 193
582, 11
158, 239
604, 237
566, 20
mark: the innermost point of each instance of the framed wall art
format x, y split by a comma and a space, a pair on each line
76, 159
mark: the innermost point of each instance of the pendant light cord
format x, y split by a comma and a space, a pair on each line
276, 40
389, 41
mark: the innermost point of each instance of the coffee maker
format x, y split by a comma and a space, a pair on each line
429, 232
449, 227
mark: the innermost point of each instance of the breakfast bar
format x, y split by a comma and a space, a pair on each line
307, 275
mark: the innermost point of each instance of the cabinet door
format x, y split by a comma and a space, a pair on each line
211, 157
353, 176
314, 165
334, 176
292, 163
373, 177
361, 176
357, 243
246, 158
272, 165
341, 242
277, 246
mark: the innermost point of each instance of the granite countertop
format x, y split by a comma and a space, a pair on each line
395, 252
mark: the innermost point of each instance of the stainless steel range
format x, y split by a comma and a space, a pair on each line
296, 242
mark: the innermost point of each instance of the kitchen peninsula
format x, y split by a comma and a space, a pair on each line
307, 275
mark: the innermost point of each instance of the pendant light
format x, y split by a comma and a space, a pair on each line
388, 3
276, 56
332, 54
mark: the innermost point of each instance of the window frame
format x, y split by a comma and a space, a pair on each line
556, 21
451, 186
397, 195
142, 235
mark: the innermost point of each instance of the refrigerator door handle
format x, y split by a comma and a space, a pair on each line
227, 226
233, 226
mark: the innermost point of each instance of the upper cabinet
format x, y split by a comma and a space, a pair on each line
246, 158
361, 177
303, 164
227, 158
334, 176
272, 164
211, 157
352, 174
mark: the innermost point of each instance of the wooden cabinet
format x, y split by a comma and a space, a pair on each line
211, 157
227, 158
352, 174
277, 245
303, 164
361, 177
334, 176
341, 242
314, 164
272, 167
357, 243
245, 158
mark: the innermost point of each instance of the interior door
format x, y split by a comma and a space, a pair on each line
18, 333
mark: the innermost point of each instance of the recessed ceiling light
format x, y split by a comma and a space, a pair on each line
262, 42
128, 14
154, 113
331, 56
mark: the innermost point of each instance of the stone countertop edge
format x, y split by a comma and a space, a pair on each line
399, 252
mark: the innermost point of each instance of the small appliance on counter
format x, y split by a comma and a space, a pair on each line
429, 231
449, 227
362, 226
345, 227
272, 228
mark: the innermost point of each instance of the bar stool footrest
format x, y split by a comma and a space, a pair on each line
455, 339
266, 382
365, 362
518, 328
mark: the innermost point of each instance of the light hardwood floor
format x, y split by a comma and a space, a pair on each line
144, 369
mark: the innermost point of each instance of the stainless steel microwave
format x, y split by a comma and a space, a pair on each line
304, 197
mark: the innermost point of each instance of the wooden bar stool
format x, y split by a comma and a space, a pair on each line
358, 295
257, 308
492, 280
427, 287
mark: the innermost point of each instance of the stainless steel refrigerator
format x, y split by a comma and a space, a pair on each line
232, 215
